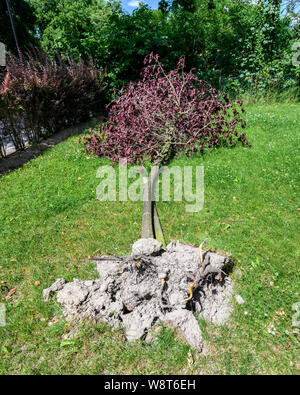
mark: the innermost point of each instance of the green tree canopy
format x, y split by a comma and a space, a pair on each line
218, 37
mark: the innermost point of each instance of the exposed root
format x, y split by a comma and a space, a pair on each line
200, 251
137, 291
190, 292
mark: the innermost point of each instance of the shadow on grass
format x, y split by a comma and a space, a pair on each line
19, 158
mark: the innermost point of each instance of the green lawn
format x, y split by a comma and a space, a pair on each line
51, 222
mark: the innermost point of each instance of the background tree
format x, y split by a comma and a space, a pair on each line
223, 39
75, 28
186, 5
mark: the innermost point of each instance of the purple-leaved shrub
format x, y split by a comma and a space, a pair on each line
40, 95
166, 113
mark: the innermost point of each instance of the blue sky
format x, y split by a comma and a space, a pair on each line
130, 5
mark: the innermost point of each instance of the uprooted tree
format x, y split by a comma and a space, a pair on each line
160, 116
154, 119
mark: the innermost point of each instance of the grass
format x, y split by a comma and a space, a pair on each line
270, 96
51, 222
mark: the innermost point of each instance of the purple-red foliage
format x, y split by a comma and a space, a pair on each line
163, 114
40, 95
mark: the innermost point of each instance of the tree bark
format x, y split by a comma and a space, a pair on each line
148, 206
151, 227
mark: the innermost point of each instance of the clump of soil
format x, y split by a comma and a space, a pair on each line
152, 285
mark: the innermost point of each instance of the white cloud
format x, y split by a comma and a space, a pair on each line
133, 3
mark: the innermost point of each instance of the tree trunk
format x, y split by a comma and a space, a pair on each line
151, 227
148, 230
